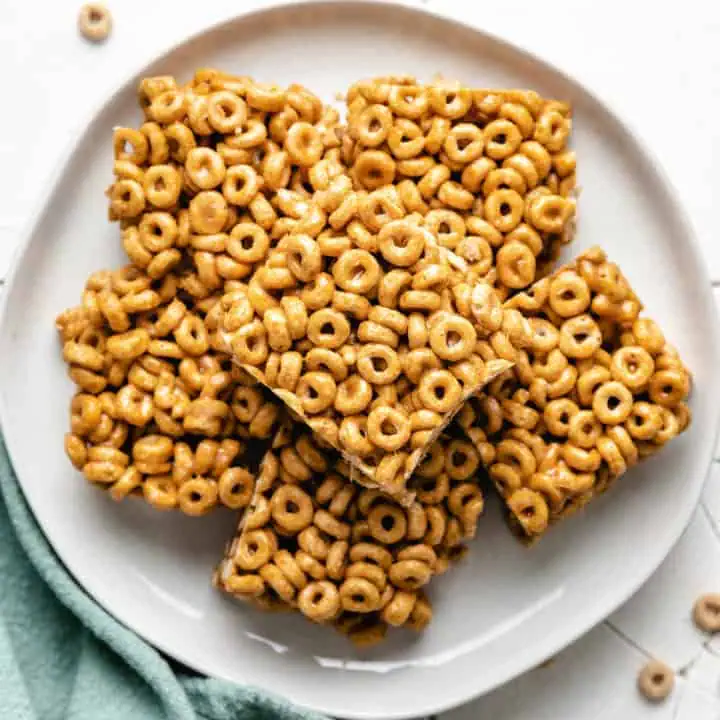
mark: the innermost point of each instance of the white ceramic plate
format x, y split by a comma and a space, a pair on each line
506, 608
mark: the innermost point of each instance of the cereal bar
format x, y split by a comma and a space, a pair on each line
375, 344
342, 555
598, 390
490, 170
159, 412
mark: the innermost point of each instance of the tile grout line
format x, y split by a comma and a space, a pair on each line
711, 520
627, 639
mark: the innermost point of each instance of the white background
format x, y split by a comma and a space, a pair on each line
658, 64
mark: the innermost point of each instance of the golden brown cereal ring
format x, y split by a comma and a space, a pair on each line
569, 294
304, 144
371, 127
612, 403
226, 111
440, 391
632, 366
644, 422
656, 681
706, 612
291, 508
648, 335
388, 428
530, 509
249, 343
359, 595
669, 387
240, 185
368, 571
409, 574
316, 392
197, 496
352, 435
353, 395
452, 338
584, 429
162, 186
235, 487
276, 579
160, 492
127, 198
502, 139
205, 168
504, 209
254, 549
327, 523
378, 364
550, 213
168, 107
374, 168
94, 22
398, 610
327, 328
208, 212
319, 601
516, 264
580, 337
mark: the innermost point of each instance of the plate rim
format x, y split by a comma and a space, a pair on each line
554, 643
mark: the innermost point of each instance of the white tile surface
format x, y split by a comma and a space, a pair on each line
594, 678
662, 73
658, 618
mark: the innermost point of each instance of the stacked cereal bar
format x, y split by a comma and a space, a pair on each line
599, 389
490, 170
348, 556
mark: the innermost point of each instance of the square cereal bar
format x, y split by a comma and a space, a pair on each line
158, 412
490, 170
343, 555
598, 390
376, 343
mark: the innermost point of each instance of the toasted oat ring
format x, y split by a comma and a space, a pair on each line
633, 366
504, 209
291, 508
353, 395
401, 242
569, 294
387, 523
197, 496
378, 364
235, 487
410, 574
644, 422
316, 392
241, 185
254, 549
452, 338
226, 111
440, 391
359, 595
706, 612
371, 127
356, 271
612, 403
388, 428
94, 22
328, 329
319, 601
374, 168
656, 681
669, 387
580, 337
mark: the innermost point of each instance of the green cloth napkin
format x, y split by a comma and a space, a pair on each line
62, 657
